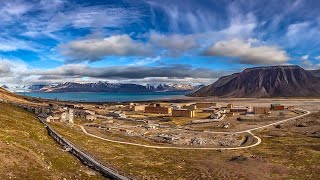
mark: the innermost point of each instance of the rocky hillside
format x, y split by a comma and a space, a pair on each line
273, 81
315, 73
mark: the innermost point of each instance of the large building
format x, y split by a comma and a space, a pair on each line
137, 108
158, 109
261, 110
277, 107
183, 113
202, 105
239, 109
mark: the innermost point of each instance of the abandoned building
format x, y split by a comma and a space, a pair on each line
90, 117
239, 109
261, 110
202, 105
230, 105
183, 113
190, 107
158, 109
215, 115
277, 107
117, 114
138, 108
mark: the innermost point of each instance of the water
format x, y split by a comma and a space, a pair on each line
106, 96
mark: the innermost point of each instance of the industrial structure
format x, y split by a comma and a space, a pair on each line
158, 109
183, 113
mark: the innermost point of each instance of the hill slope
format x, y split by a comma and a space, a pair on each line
27, 152
272, 81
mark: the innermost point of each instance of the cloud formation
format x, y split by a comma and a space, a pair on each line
12, 71
175, 44
96, 49
15, 72
248, 53
127, 72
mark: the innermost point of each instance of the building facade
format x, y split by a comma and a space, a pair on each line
202, 105
183, 113
158, 109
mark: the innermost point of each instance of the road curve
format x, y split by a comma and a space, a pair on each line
258, 140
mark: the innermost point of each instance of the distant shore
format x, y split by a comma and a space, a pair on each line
98, 98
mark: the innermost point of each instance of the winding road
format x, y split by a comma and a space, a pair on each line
258, 140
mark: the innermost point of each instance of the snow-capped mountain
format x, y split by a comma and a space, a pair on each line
102, 87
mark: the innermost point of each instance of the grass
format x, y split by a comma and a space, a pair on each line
300, 154
290, 157
27, 152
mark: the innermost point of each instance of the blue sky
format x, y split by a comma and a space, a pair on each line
152, 41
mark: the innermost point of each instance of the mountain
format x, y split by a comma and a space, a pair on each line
175, 87
315, 73
95, 87
5, 87
114, 87
272, 81
24, 88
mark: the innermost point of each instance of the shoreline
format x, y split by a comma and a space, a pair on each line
173, 99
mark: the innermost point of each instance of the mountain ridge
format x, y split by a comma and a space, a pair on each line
269, 81
105, 87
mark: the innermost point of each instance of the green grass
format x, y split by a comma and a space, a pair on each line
27, 152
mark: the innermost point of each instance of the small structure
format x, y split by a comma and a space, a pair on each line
190, 107
277, 107
99, 116
118, 114
90, 117
151, 126
230, 105
175, 106
183, 113
261, 110
209, 110
52, 118
215, 115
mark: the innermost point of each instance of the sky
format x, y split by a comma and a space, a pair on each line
152, 41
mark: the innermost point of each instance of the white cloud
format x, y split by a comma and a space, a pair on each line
306, 62
173, 43
10, 9
96, 49
13, 44
146, 61
302, 35
247, 52
317, 57
305, 57
12, 71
